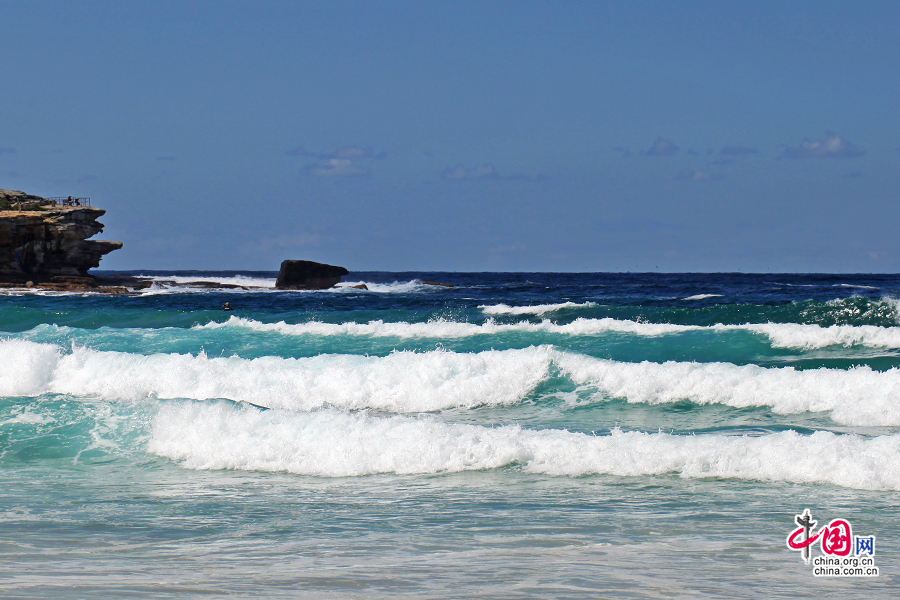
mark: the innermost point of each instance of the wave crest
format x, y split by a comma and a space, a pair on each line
335, 444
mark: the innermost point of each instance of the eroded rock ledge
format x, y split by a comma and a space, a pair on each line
48, 245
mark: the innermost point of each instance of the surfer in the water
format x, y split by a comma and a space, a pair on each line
227, 306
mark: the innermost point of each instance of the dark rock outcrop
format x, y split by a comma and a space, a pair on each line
50, 243
438, 284
308, 275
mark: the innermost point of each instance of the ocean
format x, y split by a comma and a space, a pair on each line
519, 435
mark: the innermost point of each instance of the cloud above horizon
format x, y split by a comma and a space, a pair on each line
661, 147
832, 147
357, 152
336, 167
485, 171
339, 163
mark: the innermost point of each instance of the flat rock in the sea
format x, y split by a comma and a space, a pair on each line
438, 284
308, 275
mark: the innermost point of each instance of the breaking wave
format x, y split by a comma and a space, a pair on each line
331, 443
401, 381
781, 335
539, 309
703, 296
406, 381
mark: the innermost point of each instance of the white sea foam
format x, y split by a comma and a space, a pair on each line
436, 380
27, 367
180, 280
858, 396
337, 444
441, 328
539, 309
781, 335
703, 296
862, 287
396, 287
29, 418
811, 337
401, 381
163, 284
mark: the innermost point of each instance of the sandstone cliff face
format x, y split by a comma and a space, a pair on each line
41, 245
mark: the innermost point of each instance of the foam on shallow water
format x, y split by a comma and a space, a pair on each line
332, 443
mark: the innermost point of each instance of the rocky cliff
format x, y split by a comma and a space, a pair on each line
50, 243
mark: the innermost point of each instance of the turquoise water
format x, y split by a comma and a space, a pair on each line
518, 435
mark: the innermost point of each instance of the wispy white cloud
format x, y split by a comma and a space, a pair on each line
336, 167
340, 163
357, 152
832, 147
486, 171
661, 147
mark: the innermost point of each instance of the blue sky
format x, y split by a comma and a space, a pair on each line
521, 136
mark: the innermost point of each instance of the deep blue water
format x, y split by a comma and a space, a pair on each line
517, 435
